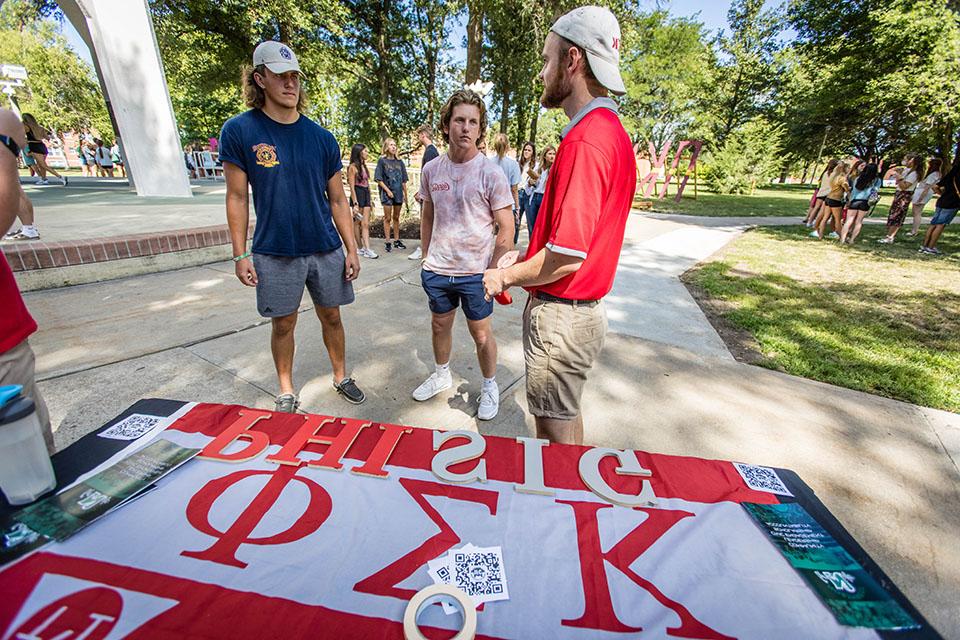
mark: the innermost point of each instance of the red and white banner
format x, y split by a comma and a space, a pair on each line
307, 526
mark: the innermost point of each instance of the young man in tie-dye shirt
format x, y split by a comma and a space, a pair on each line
465, 228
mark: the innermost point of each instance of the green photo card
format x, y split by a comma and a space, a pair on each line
61, 515
851, 594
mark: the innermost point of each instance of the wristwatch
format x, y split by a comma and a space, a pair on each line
11, 144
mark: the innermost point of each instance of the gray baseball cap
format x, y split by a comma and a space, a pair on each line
276, 56
598, 32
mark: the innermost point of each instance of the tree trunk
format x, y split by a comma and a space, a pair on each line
783, 176
474, 41
533, 124
283, 30
521, 126
505, 110
382, 76
431, 85
732, 108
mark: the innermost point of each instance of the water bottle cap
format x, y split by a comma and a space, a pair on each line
19, 408
8, 393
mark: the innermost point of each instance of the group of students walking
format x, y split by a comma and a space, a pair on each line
576, 200
849, 191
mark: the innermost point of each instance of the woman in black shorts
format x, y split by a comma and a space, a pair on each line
864, 189
37, 149
358, 179
391, 176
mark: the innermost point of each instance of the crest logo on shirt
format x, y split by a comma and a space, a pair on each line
266, 155
439, 186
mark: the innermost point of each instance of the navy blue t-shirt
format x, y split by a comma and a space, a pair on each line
288, 166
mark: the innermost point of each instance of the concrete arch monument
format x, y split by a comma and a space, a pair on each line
119, 34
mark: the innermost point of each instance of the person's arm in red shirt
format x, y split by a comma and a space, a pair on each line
576, 183
544, 267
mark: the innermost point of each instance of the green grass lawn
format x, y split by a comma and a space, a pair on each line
878, 318
771, 200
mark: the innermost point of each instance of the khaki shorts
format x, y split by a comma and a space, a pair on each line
560, 344
17, 367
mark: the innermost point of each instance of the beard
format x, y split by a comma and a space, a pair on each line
556, 88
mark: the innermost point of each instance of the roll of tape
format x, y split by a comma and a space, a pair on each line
432, 595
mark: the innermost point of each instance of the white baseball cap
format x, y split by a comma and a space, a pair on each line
597, 31
276, 56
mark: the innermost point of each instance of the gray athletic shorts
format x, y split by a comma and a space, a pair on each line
281, 279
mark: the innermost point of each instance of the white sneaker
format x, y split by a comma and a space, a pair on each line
43, 182
416, 255
432, 386
489, 403
28, 232
371, 254
832, 234
10, 235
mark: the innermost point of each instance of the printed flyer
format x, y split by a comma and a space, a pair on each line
854, 598
60, 516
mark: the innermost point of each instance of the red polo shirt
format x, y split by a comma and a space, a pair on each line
585, 206
15, 321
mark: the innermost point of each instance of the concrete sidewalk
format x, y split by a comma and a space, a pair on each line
664, 383
104, 207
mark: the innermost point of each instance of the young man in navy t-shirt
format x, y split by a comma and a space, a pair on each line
294, 168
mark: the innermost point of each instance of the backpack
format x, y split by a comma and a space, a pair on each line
874, 196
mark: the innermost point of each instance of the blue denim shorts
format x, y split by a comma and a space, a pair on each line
944, 216
446, 293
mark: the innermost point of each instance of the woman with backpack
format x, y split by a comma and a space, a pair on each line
864, 193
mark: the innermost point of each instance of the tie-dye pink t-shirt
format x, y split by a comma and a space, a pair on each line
464, 197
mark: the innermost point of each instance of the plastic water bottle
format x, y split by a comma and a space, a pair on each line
25, 469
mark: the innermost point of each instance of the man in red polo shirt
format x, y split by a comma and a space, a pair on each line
16, 356
575, 246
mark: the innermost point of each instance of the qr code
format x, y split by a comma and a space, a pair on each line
131, 427
762, 479
479, 574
